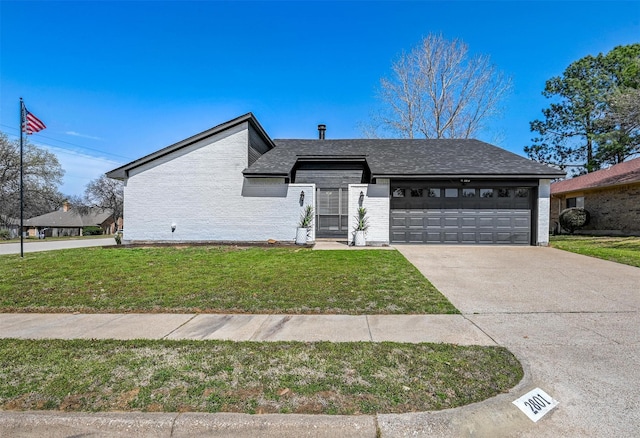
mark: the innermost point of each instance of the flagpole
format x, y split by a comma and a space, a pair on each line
21, 179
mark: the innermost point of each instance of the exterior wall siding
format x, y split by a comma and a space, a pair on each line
376, 201
613, 210
543, 208
201, 190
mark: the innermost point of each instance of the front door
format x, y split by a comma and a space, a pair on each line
332, 212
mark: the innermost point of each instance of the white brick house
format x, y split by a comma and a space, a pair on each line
233, 183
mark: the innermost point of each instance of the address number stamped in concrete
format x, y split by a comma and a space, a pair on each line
535, 404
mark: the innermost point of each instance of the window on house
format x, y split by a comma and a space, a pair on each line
434, 193
450, 193
578, 201
416, 193
398, 193
468, 193
486, 193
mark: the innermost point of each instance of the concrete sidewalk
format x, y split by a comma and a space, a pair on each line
455, 329
31, 245
336, 328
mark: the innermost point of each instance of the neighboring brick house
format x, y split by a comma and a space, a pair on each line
67, 222
611, 196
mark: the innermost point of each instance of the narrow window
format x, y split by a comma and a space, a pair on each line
486, 193
398, 193
450, 193
468, 193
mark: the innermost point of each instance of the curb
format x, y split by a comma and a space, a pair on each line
137, 425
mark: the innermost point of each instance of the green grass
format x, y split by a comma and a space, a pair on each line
624, 250
250, 377
216, 279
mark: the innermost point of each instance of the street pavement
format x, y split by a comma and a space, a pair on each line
572, 321
32, 245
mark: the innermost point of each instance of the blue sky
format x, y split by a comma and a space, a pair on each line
116, 80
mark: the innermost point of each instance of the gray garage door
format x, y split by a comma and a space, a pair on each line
506, 227
460, 215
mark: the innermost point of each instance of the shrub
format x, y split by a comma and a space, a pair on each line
306, 218
574, 218
5, 235
362, 221
91, 231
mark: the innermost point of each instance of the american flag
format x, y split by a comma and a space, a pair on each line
31, 123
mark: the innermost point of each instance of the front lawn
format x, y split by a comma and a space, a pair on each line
216, 279
250, 377
624, 250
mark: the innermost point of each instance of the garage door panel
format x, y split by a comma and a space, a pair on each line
450, 222
519, 222
468, 226
468, 222
486, 222
416, 222
398, 221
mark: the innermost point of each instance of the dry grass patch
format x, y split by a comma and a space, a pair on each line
249, 377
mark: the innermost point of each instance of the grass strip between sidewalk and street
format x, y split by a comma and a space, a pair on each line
625, 250
217, 279
249, 377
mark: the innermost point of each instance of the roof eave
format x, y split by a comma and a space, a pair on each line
465, 175
597, 187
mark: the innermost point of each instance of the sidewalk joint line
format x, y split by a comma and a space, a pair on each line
481, 329
180, 326
366, 317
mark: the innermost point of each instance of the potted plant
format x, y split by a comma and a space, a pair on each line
362, 224
304, 225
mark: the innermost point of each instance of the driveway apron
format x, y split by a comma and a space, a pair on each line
573, 321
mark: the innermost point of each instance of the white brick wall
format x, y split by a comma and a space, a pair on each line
544, 195
376, 201
201, 190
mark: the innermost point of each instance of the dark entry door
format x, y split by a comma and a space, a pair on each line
332, 208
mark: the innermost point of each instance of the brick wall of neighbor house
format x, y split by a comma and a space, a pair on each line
200, 188
613, 210
616, 209
376, 201
544, 203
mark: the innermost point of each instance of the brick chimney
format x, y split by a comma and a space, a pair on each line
65, 206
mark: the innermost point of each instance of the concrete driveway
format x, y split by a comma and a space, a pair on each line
49, 245
574, 323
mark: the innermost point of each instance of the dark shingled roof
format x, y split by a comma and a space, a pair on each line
69, 219
405, 158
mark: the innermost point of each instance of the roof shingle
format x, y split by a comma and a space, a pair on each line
406, 157
623, 173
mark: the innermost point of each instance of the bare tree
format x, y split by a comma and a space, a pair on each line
438, 90
42, 177
106, 193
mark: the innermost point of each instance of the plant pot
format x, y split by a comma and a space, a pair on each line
359, 239
301, 236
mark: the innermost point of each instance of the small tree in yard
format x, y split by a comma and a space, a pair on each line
573, 218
